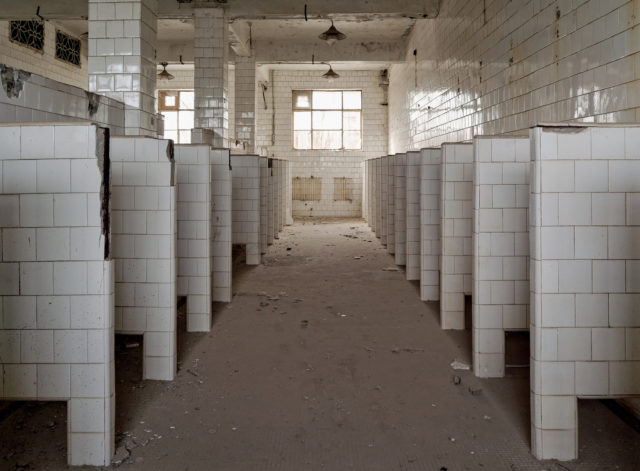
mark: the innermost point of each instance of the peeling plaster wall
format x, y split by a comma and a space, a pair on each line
322, 163
517, 63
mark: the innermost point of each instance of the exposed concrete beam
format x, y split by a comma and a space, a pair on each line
275, 52
240, 38
247, 9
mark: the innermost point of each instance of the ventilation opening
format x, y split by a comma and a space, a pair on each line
29, 33
306, 189
67, 48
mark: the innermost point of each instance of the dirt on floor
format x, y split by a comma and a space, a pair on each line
325, 360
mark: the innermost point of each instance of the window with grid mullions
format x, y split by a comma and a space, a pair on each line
327, 119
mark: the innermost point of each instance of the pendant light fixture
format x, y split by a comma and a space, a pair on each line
332, 35
164, 74
330, 75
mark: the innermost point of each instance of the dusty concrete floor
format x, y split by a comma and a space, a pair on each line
323, 361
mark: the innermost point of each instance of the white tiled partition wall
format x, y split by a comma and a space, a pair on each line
264, 203
500, 248
193, 169
400, 221
384, 188
276, 173
372, 194
56, 279
144, 228
391, 204
585, 277
271, 203
456, 212
221, 225
246, 205
430, 225
413, 172
377, 163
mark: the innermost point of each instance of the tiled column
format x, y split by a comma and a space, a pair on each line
585, 277
211, 73
365, 203
264, 203
288, 194
430, 225
456, 213
245, 106
400, 223
122, 46
373, 198
412, 248
378, 169
500, 248
270, 201
391, 204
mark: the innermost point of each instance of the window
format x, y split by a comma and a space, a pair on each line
29, 33
327, 119
67, 48
177, 108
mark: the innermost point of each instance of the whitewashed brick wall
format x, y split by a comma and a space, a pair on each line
44, 63
490, 68
456, 214
585, 225
246, 205
56, 279
430, 225
221, 223
412, 208
500, 248
324, 164
144, 245
194, 193
400, 222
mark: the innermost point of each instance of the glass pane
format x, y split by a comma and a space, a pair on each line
327, 120
170, 119
327, 100
185, 119
171, 135
186, 100
327, 140
302, 100
352, 140
169, 100
351, 120
302, 140
352, 100
185, 137
301, 120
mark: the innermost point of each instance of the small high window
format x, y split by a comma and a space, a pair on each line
67, 48
327, 119
177, 108
29, 33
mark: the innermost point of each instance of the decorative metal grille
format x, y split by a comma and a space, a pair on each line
29, 33
67, 48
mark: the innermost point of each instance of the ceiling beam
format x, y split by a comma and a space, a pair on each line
239, 9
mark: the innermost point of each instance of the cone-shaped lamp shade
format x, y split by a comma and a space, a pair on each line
332, 35
164, 74
330, 75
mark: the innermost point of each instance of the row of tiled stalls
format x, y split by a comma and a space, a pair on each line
544, 233
100, 234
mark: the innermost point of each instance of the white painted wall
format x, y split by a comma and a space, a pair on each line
514, 65
45, 63
323, 164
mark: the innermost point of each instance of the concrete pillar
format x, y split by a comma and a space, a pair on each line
122, 46
245, 106
211, 74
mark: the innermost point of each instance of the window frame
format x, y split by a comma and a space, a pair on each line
162, 94
311, 110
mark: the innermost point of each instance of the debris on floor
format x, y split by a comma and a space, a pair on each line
391, 269
460, 365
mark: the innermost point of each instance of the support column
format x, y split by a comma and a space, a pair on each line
245, 106
122, 46
211, 75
